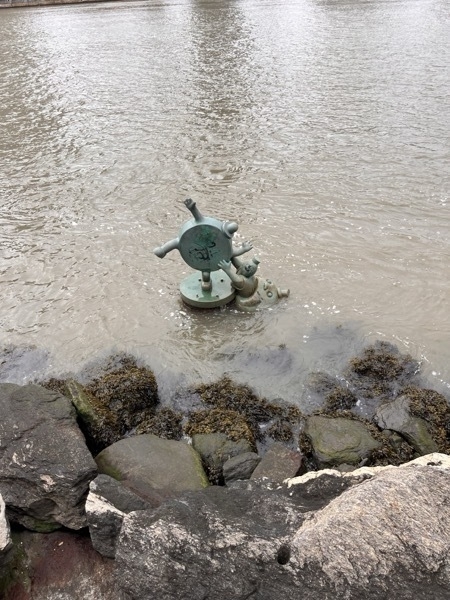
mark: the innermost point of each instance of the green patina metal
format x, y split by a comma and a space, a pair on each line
205, 244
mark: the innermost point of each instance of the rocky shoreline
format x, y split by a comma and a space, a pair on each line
234, 497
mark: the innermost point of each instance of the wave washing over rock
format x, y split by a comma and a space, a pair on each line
106, 493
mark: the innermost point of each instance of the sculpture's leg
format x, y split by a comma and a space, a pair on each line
206, 281
192, 206
161, 251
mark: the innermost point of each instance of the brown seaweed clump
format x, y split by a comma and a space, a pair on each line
219, 420
129, 391
227, 395
55, 384
281, 431
340, 398
435, 410
115, 402
166, 423
382, 363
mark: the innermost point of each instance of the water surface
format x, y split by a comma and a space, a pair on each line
321, 126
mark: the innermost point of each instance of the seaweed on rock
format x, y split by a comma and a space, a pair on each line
435, 410
227, 395
165, 423
220, 420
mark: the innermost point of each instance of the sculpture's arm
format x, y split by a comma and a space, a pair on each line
192, 206
225, 265
242, 249
161, 251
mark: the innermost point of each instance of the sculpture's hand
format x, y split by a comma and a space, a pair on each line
160, 252
225, 265
243, 248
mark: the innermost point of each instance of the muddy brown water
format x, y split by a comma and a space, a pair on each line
322, 127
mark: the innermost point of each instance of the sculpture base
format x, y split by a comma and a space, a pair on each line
221, 292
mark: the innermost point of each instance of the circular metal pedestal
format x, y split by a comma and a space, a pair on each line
221, 292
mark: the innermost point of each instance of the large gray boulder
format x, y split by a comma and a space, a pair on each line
218, 543
153, 468
373, 534
45, 466
386, 538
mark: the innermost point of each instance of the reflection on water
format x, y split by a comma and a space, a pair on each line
321, 127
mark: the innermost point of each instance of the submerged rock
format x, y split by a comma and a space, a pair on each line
45, 466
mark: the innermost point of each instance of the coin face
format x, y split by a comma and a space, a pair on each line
203, 246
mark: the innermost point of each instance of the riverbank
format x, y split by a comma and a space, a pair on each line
230, 484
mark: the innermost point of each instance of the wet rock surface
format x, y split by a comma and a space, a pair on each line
397, 416
215, 449
375, 536
279, 463
152, 467
45, 466
227, 512
118, 397
240, 467
337, 440
107, 503
58, 566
